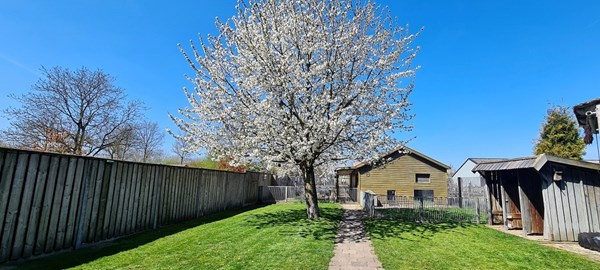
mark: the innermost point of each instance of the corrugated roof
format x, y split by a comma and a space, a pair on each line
481, 160
507, 164
536, 162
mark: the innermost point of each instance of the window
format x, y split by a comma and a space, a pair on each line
425, 194
391, 195
423, 178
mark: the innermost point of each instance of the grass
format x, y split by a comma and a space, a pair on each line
272, 237
410, 245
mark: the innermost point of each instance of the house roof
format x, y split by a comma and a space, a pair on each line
404, 149
581, 109
479, 160
535, 162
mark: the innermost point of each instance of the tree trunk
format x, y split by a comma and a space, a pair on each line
310, 192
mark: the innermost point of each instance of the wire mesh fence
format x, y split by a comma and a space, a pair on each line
271, 194
432, 210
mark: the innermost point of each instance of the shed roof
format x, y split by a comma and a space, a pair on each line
535, 162
481, 160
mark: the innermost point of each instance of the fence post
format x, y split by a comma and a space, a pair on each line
460, 205
421, 210
286, 193
477, 217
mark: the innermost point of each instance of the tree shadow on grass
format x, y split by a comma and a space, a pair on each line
293, 222
410, 230
71, 258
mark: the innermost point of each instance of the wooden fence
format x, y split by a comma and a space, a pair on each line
51, 202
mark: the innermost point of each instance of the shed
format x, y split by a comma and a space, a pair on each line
403, 172
555, 197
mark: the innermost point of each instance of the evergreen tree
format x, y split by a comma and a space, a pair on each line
560, 136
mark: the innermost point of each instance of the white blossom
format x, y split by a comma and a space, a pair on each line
300, 83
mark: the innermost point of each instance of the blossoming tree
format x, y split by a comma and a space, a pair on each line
301, 83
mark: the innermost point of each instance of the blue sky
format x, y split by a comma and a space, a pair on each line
489, 71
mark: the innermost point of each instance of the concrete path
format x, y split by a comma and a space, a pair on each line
572, 247
353, 248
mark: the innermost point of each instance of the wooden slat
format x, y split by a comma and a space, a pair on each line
592, 190
172, 183
595, 184
36, 206
98, 176
86, 198
176, 180
74, 205
127, 199
154, 193
163, 187
108, 200
572, 220
137, 198
582, 206
66, 204
197, 192
46, 212
131, 202
8, 168
142, 206
25, 208
8, 232
159, 197
115, 226
187, 192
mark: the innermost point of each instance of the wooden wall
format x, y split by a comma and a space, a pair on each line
571, 205
494, 197
400, 175
51, 202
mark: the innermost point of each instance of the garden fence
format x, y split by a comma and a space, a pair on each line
271, 194
51, 202
438, 209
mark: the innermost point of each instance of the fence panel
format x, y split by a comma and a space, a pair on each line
51, 202
438, 209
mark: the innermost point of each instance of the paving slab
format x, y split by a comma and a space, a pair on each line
353, 249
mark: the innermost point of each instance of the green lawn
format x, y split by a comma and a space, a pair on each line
271, 237
409, 245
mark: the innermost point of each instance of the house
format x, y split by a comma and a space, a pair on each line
472, 184
468, 176
554, 197
402, 172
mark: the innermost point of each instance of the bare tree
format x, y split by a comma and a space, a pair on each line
84, 106
125, 145
150, 139
302, 83
181, 148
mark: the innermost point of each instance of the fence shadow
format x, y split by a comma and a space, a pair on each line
72, 258
410, 230
294, 222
